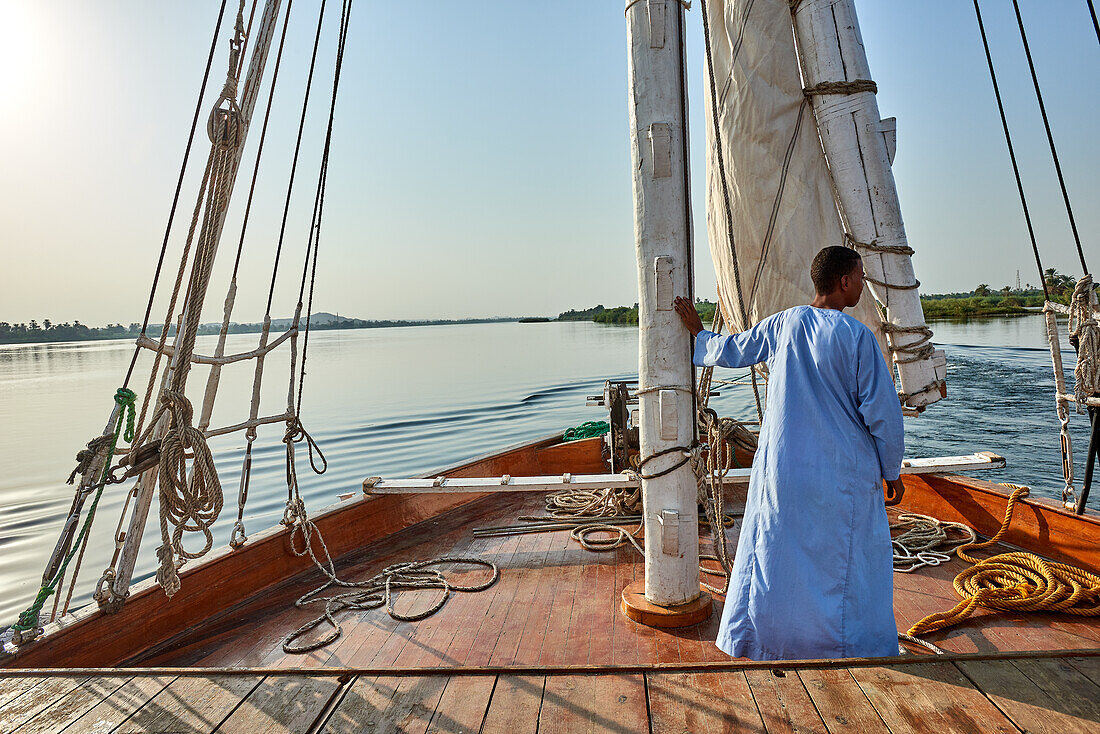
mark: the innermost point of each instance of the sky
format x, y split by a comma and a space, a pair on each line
481, 162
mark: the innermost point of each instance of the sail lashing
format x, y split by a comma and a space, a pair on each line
784, 179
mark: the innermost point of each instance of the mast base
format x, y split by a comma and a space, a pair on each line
636, 607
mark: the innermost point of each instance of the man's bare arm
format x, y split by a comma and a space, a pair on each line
895, 490
688, 314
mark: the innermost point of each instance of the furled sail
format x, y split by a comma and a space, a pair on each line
777, 184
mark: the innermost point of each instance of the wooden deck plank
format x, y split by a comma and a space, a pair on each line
531, 558
1088, 667
1029, 707
783, 702
569, 705
622, 699
196, 704
534, 634
468, 631
514, 707
463, 705
73, 705
840, 702
701, 702
12, 688
930, 696
1075, 693
569, 569
281, 704
363, 706
413, 705
120, 705
495, 610
35, 699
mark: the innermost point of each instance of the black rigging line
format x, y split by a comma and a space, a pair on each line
176, 196
1011, 152
1050, 138
294, 164
314, 241
1095, 25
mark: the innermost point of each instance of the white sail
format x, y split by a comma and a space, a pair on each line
779, 189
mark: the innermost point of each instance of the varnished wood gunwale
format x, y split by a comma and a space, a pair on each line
233, 579
229, 577
1038, 525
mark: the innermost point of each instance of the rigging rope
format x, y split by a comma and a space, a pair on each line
1015, 582
1050, 138
189, 504
1084, 329
1011, 152
720, 157
27, 624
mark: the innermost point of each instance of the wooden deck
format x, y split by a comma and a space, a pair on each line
1021, 694
555, 604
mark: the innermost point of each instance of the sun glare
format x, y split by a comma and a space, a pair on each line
22, 51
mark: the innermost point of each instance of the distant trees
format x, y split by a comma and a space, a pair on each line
1059, 284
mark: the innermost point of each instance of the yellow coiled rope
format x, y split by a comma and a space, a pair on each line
1016, 582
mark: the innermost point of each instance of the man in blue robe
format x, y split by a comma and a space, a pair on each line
813, 575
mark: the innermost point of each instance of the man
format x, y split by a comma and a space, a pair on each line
812, 575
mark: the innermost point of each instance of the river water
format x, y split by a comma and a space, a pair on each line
404, 401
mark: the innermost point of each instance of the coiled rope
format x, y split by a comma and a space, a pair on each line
1015, 582
380, 590
925, 541
187, 504
1084, 329
588, 429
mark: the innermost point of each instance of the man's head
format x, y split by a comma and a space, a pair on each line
837, 272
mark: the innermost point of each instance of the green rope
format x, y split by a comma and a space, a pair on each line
588, 429
126, 399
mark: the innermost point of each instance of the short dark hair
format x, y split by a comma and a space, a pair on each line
830, 265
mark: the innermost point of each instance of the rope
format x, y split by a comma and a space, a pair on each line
191, 505
853, 87
588, 429
1015, 582
1050, 138
29, 619
1084, 329
381, 590
720, 156
925, 541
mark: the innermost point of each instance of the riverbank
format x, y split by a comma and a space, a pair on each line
48, 333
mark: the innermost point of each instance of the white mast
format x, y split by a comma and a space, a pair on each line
662, 231
860, 146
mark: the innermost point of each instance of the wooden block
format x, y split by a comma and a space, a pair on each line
641, 610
